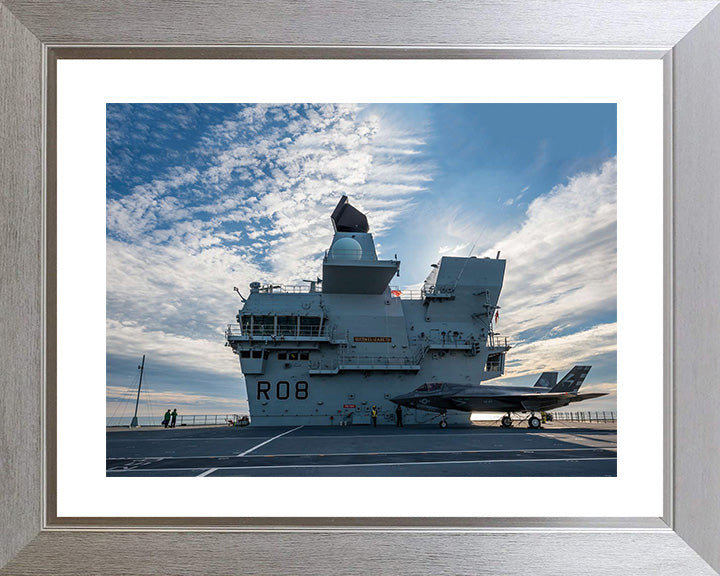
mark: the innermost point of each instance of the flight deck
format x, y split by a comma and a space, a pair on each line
569, 449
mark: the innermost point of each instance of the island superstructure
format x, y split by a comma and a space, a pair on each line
327, 352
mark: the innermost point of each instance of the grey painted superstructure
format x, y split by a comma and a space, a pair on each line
327, 352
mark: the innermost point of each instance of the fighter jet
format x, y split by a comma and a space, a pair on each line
544, 395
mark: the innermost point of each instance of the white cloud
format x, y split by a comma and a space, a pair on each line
555, 354
562, 261
190, 353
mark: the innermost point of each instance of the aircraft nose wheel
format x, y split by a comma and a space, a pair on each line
443, 422
506, 421
534, 422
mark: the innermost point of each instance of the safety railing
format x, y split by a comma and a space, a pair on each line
350, 361
267, 331
182, 420
406, 294
285, 289
592, 416
351, 254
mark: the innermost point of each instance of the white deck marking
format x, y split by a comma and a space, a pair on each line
378, 464
268, 441
437, 434
371, 453
207, 472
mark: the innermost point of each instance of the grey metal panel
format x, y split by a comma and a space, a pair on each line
697, 288
668, 295
525, 24
635, 23
20, 284
361, 553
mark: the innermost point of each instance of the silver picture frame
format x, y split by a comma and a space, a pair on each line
685, 34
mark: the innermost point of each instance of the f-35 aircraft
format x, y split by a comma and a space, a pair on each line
544, 395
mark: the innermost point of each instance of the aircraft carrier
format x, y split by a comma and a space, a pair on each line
327, 352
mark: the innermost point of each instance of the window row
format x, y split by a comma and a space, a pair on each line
257, 354
281, 325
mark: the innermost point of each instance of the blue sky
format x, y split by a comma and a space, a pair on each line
204, 197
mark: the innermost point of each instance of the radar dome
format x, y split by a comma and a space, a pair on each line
346, 249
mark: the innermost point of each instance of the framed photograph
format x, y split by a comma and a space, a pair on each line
133, 172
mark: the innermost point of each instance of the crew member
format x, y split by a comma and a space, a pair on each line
398, 416
173, 418
166, 419
373, 415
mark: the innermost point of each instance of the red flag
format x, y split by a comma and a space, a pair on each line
396, 293
497, 315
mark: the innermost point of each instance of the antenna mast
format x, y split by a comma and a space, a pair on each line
134, 422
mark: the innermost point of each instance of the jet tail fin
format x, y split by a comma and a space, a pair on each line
572, 380
546, 380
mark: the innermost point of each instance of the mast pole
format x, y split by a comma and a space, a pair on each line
134, 421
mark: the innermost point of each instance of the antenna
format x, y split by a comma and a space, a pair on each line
314, 283
134, 421
238, 291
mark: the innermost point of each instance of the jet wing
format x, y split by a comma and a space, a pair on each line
550, 399
540, 401
529, 402
587, 396
532, 402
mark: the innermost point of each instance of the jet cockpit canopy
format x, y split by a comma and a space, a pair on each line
430, 387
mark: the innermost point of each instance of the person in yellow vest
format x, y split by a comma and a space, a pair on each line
373, 415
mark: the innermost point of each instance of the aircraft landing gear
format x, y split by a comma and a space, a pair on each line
506, 421
534, 422
443, 421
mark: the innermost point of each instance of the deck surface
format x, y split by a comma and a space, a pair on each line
559, 449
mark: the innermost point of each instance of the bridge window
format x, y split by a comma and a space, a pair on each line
264, 326
287, 325
495, 363
282, 326
310, 326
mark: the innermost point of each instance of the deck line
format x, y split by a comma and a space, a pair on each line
378, 464
207, 472
268, 441
524, 450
